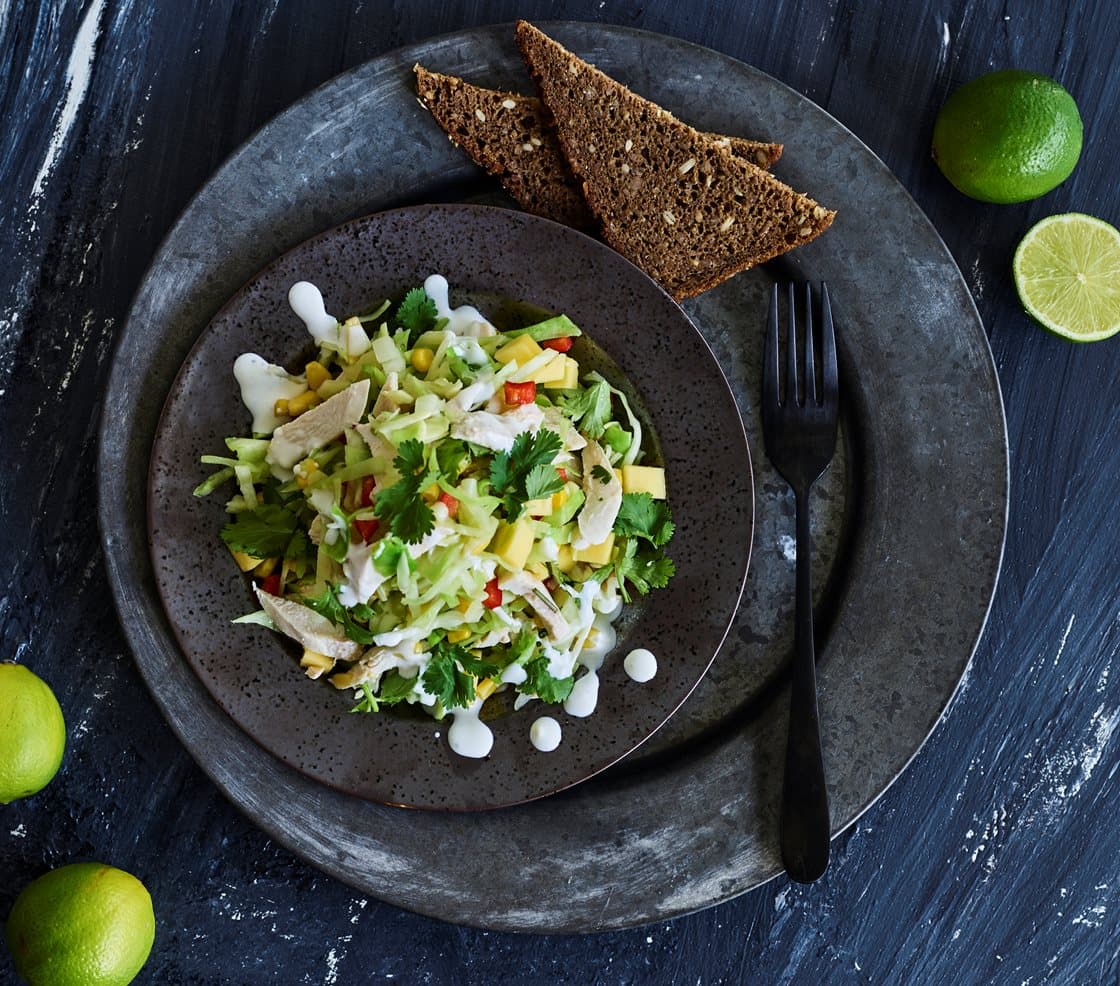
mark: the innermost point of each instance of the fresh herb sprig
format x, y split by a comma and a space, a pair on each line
526, 472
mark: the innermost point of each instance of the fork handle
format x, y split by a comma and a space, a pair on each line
805, 827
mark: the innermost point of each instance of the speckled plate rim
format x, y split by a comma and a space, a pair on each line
691, 834
406, 762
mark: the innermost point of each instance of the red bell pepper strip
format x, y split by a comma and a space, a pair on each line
520, 393
561, 344
271, 584
367, 491
450, 502
493, 597
366, 529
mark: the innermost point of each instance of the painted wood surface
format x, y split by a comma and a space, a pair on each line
992, 859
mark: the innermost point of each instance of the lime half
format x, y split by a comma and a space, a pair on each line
1067, 272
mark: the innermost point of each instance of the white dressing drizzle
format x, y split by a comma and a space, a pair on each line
263, 384
584, 696
464, 320
640, 664
468, 736
545, 734
307, 302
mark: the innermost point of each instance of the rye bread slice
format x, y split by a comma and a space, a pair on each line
509, 135
671, 199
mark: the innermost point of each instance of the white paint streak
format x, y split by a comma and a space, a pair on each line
788, 547
1065, 637
1091, 754
78, 71
332, 968
19, 832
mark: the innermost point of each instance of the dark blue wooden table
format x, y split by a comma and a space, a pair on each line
992, 859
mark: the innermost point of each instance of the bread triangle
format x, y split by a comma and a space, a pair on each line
508, 135
673, 200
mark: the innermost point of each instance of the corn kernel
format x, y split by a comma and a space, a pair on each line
431, 494
421, 359
463, 605
280, 408
303, 402
458, 636
317, 374
485, 688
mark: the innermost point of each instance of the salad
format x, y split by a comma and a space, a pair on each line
438, 511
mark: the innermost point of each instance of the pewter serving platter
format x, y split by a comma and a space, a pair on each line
909, 521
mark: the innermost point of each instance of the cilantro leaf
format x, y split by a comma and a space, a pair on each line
510, 471
640, 515
478, 667
540, 683
542, 481
643, 568
264, 532
328, 605
395, 688
444, 678
410, 518
591, 408
601, 473
417, 313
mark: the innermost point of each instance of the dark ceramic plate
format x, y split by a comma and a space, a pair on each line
908, 522
484, 252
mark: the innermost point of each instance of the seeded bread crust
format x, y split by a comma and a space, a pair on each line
675, 201
510, 136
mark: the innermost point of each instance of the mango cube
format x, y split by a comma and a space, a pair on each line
552, 371
570, 378
565, 560
596, 554
539, 508
644, 479
513, 542
244, 561
522, 349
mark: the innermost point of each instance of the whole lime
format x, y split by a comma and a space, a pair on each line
1008, 136
86, 924
32, 733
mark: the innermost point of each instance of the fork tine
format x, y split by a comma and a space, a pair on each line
810, 345
771, 350
829, 375
793, 398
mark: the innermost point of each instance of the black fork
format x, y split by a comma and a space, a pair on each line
799, 427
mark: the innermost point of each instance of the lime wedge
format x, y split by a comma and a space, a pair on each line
1067, 273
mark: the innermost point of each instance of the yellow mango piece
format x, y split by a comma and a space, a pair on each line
597, 554
512, 543
485, 688
565, 560
644, 479
458, 635
522, 349
315, 664
570, 378
539, 508
552, 371
559, 498
245, 562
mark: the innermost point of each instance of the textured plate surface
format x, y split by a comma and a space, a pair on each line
482, 250
910, 521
